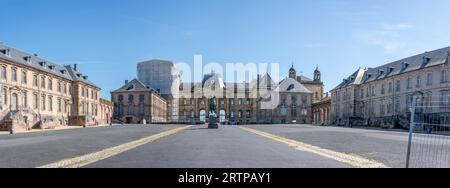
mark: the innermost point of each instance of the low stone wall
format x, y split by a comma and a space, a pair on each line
82, 121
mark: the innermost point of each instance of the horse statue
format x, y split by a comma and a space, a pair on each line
212, 106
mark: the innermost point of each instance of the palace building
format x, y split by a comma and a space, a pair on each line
243, 103
382, 96
237, 103
36, 93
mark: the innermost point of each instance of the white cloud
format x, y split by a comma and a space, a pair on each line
388, 36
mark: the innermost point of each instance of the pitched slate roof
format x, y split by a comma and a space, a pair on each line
413, 63
304, 78
354, 79
29, 60
78, 76
134, 85
291, 85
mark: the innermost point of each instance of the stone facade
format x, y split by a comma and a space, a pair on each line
242, 103
106, 111
36, 93
321, 111
382, 96
136, 103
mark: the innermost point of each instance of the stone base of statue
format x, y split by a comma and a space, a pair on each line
213, 122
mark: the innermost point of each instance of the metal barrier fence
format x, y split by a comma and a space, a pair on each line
429, 136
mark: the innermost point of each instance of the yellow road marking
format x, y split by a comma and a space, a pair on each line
84, 160
354, 160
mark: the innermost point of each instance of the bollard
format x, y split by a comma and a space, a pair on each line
12, 131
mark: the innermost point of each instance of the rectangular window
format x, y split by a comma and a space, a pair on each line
429, 79
35, 101
383, 89
24, 99
14, 74
50, 103
390, 87
43, 102
43, 82
4, 72
59, 105
398, 86
24, 77
50, 84
35, 80
59, 87
408, 83
418, 81
444, 76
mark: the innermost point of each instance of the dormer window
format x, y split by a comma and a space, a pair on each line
425, 60
7, 52
390, 70
85, 77
79, 75
405, 65
380, 72
27, 59
368, 76
63, 71
51, 67
448, 57
42, 63
352, 78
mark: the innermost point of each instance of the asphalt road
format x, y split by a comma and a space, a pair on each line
388, 147
198, 147
40, 148
227, 147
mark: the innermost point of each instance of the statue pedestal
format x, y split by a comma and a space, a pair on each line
213, 122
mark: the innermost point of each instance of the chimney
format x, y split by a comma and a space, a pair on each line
126, 81
75, 67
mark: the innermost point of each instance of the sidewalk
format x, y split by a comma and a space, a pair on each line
55, 129
368, 128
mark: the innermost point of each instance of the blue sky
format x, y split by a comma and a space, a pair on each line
108, 37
